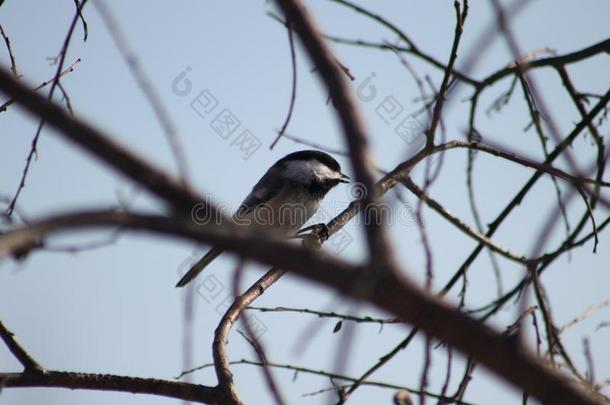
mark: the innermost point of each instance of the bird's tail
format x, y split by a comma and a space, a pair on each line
200, 265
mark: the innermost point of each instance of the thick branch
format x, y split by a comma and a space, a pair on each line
221, 335
528, 371
106, 382
386, 289
101, 146
352, 124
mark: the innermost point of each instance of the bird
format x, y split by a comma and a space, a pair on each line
284, 199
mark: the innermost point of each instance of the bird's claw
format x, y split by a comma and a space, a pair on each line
313, 236
321, 230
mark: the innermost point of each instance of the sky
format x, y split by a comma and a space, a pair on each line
115, 310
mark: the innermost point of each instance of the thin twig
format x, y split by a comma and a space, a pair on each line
323, 314
410, 48
293, 92
440, 98
584, 315
321, 373
409, 184
70, 69
586, 344
104, 148
29, 364
82, 19
58, 74
535, 115
10, 53
423, 383
447, 374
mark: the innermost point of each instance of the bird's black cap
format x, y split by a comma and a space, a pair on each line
320, 156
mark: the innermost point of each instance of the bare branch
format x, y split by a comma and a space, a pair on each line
586, 313
554, 61
410, 48
293, 93
255, 340
102, 147
107, 382
70, 69
29, 364
440, 97
10, 53
33, 149
82, 19
386, 289
323, 314
322, 373
221, 335
460, 224
353, 127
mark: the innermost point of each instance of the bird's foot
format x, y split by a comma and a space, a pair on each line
314, 235
321, 230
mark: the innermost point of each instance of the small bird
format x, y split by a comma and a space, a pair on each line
283, 199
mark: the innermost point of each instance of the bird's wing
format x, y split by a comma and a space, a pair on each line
269, 186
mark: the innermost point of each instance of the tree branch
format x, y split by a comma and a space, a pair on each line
408, 183
322, 314
103, 148
554, 61
332, 376
29, 364
221, 335
353, 127
387, 289
293, 92
440, 97
107, 382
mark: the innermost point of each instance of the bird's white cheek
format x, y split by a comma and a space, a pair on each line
323, 173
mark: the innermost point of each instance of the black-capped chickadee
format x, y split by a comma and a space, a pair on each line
283, 199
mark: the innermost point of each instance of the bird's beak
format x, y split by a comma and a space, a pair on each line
344, 178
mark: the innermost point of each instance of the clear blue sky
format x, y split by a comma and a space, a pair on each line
114, 310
